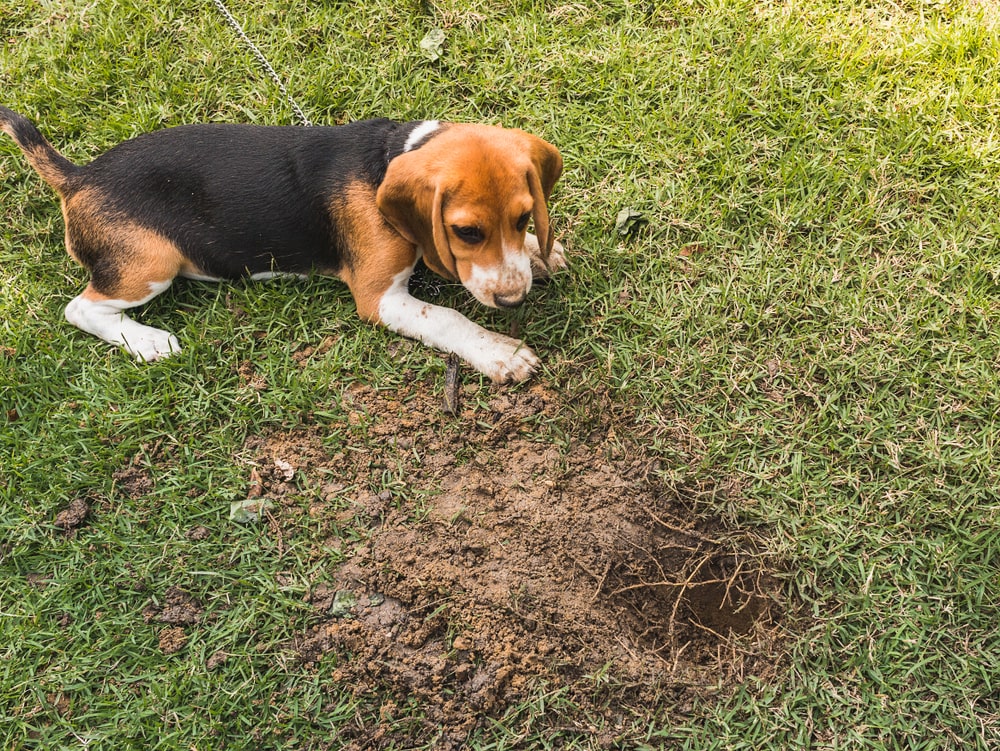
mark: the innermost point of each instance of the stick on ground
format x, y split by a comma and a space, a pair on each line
451, 381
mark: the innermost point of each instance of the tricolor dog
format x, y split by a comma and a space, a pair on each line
363, 202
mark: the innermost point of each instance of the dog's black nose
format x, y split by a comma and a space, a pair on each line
508, 302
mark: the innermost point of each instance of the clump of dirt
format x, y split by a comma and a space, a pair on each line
172, 640
198, 533
133, 481
512, 545
216, 660
177, 608
73, 516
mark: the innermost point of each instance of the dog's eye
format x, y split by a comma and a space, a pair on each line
470, 235
523, 221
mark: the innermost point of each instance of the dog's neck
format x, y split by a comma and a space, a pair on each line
408, 137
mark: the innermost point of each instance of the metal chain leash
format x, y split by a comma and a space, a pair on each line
231, 20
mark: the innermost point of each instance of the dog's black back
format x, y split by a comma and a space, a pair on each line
237, 197
234, 198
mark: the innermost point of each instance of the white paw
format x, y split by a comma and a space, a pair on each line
512, 362
557, 258
107, 319
152, 344
544, 269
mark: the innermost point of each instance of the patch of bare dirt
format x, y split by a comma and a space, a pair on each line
521, 542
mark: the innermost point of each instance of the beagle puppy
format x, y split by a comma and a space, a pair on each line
363, 202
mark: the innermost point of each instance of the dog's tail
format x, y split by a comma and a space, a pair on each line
54, 168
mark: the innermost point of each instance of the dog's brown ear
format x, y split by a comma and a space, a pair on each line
547, 165
413, 202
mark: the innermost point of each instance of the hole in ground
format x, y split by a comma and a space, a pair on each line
502, 549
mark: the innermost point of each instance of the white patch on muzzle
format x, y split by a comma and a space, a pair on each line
511, 280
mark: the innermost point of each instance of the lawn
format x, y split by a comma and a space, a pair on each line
791, 350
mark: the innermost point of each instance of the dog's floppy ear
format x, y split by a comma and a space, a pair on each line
546, 166
413, 202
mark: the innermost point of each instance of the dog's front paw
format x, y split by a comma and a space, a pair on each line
557, 257
152, 345
512, 362
543, 269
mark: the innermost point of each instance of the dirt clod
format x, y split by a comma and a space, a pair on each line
73, 516
198, 533
60, 703
178, 607
133, 482
172, 640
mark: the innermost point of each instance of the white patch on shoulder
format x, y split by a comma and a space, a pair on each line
419, 133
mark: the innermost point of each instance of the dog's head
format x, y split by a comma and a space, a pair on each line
465, 199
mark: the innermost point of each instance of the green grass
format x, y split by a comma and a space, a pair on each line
812, 304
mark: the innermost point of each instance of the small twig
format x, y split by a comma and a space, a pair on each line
684, 585
680, 530
731, 583
451, 383
600, 584
711, 631
276, 529
672, 623
586, 569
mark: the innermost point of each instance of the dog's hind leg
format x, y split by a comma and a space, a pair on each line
105, 317
129, 266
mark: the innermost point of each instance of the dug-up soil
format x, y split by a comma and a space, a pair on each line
520, 547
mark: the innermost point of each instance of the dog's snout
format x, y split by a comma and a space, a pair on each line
509, 301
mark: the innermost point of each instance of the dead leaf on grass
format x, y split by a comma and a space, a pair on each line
285, 468
691, 249
629, 221
432, 45
217, 659
248, 511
